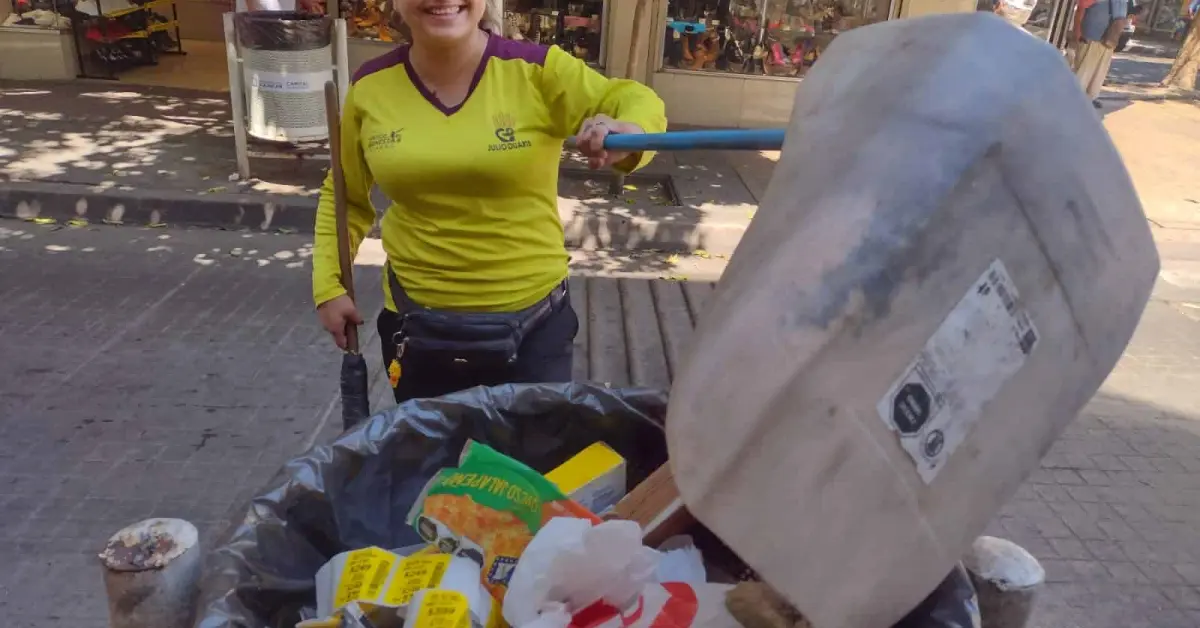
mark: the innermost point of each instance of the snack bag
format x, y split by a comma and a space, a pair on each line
489, 509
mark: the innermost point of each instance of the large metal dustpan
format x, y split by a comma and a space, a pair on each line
948, 262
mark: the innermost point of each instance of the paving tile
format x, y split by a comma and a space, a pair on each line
141, 383
131, 403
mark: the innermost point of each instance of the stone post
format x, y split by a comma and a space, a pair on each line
1007, 579
151, 574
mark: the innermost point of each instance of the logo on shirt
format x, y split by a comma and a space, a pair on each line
506, 134
380, 141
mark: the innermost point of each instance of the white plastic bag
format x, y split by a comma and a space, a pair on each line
576, 575
681, 562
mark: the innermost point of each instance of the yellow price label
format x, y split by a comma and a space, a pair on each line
414, 574
443, 609
363, 576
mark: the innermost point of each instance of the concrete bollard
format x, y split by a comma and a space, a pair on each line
616, 185
151, 574
1007, 580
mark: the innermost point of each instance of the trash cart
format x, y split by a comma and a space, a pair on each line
287, 59
357, 491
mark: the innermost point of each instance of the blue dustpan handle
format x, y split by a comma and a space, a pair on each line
725, 139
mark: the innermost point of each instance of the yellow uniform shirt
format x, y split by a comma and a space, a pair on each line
474, 221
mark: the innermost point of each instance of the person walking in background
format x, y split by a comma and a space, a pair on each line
1097, 29
1185, 20
463, 130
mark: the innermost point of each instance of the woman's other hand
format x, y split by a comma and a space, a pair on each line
335, 315
590, 140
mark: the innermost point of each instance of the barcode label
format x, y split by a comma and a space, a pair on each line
983, 341
1009, 304
1001, 285
997, 282
1028, 340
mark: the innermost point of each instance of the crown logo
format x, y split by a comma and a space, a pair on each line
504, 121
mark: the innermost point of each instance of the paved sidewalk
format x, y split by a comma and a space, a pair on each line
1160, 143
1159, 140
1141, 67
143, 374
1114, 511
144, 155
170, 372
167, 371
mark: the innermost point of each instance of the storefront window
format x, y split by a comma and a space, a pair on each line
763, 37
574, 25
372, 19
1168, 18
38, 14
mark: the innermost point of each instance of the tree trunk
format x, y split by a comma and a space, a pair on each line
1187, 64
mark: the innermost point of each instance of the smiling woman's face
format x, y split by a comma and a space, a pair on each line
441, 22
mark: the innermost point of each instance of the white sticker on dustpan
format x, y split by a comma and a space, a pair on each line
982, 342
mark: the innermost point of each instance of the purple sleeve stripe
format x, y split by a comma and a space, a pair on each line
510, 50
392, 58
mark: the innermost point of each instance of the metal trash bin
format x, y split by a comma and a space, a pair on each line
287, 57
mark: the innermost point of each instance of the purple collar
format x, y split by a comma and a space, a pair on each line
488, 52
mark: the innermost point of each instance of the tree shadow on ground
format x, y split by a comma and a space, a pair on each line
1138, 70
132, 137
1109, 107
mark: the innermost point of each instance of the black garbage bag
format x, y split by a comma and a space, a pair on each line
357, 491
283, 30
952, 604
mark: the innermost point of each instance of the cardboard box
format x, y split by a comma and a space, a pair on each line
595, 478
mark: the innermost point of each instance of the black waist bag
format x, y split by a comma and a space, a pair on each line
467, 340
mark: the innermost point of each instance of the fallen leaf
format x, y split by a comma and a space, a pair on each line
43, 221
78, 222
157, 225
629, 186
701, 253
673, 259
219, 188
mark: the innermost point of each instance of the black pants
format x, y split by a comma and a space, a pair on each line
545, 356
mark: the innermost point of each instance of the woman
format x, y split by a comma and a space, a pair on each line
463, 130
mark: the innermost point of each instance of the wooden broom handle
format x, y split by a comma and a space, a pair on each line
345, 264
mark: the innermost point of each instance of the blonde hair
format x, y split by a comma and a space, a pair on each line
493, 17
